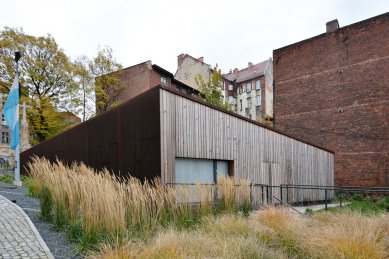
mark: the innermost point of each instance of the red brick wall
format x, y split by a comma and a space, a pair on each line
137, 80
333, 90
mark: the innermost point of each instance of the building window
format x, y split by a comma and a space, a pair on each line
249, 102
258, 113
258, 100
4, 137
258, 85
192, 171
235, 108
240, 89
248, 87
241, 105
2, 117
230, 87
164, 80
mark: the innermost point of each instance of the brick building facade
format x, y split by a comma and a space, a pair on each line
144, 76
333, 90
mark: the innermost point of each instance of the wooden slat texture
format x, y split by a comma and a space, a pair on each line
191, 129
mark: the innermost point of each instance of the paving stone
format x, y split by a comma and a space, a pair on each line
18, 237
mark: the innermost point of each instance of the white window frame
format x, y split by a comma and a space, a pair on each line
248, 87
258, 85
249, 102
258, 100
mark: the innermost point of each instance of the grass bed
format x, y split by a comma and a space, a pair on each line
109, 217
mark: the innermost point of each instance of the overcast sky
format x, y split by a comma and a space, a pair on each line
229, 33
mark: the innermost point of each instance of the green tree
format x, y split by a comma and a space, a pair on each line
212, 91
85, 96
108, 86
45, 77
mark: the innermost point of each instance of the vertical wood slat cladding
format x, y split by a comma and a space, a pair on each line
194, 130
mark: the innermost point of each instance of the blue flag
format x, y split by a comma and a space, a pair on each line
11, 113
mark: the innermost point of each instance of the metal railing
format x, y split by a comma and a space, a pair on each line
293, 194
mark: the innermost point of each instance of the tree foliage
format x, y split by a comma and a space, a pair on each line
108, 86
85, 96
212, 91
45, 77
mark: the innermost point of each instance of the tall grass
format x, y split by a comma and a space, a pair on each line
273, 233
105, 207
127, 218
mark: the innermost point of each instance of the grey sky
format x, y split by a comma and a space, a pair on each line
229, 33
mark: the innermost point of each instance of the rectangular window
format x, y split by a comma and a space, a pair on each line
248, 87
258, 85
4, 137
249, 102
191, 171
164, 80
258, 113
240, 89
244, 88
241, 106
230, 87
258, 100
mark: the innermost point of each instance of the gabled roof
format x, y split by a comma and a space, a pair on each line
247, 73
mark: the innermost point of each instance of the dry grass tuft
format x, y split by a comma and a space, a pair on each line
278, 218
348, 235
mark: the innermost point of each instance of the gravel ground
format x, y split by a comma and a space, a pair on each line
57, 242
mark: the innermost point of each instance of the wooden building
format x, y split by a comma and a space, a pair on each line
164, 133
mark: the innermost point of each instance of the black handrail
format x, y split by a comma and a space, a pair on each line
326, 189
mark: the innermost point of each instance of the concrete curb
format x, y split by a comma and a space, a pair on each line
36, 233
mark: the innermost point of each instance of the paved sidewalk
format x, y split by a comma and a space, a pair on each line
18, 236
303, 209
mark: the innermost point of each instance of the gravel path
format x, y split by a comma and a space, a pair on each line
57, 242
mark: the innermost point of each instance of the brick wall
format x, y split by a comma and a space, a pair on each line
137, 80
333, 90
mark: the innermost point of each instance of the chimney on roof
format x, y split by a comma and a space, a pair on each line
230, 71
180, 59
250, 64
235, 70
332, 25
201, 59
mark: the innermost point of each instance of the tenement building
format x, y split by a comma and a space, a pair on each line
333, 90
248, 90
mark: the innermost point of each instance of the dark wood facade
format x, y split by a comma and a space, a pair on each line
125, 139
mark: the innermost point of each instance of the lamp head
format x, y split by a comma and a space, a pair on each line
18, 55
